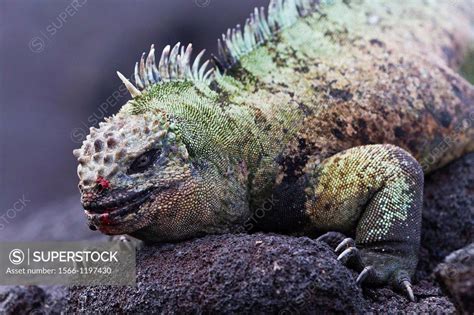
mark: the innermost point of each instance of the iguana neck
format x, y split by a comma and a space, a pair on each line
214, 127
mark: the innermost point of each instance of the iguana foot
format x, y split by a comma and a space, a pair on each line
375, 192
380, 265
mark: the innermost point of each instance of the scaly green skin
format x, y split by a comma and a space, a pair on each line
326, 127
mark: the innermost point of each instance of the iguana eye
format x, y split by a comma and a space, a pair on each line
144, 161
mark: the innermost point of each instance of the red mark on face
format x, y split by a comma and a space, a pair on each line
105, 219
102, 183
105, 223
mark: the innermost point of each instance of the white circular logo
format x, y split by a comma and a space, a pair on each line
17, 256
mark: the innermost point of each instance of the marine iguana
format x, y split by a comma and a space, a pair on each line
315, 117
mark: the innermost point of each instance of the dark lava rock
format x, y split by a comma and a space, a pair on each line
456, 275
447, 213
430, 300
259, 273
32, 299
21, 300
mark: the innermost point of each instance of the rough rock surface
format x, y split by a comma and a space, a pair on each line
268, 272
260, 273
21, 299
447, 213
456, 275
430, 300
32, 299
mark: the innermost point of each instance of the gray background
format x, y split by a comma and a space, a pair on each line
57, 66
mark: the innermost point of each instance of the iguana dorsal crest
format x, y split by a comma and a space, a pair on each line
175, 63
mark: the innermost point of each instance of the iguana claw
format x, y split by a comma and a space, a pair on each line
348, 253
364, 274
333, 239
347, 242
407, 287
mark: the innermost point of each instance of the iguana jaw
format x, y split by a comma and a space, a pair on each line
125, 215
118, 206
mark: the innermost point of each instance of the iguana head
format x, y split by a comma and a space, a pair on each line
131, 171
136, 173
136, 176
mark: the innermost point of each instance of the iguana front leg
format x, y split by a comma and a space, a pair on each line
375, 193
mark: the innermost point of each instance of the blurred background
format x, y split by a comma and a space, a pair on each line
57, 78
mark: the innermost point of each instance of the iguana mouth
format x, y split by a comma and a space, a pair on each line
111, 215
123, 205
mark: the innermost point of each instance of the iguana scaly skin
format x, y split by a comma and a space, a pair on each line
317, 117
